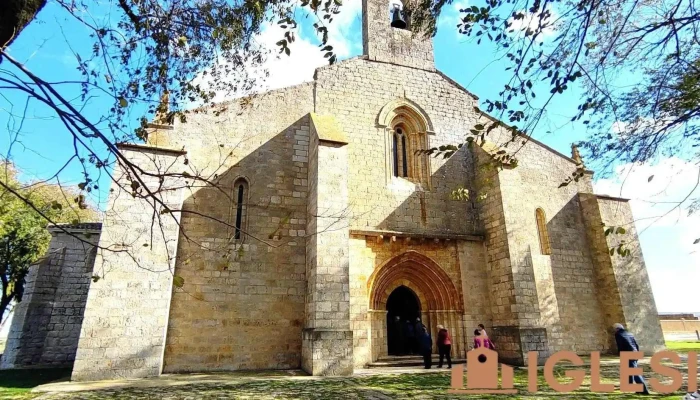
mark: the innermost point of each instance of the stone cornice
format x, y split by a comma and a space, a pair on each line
412, 235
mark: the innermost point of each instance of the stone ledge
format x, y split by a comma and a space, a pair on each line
425, 236
150, 149
92, 227
606, 197
152, 125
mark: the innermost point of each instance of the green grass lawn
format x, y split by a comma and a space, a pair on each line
683, 347
16, 384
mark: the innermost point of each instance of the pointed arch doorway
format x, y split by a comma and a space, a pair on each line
402, 309
437, 298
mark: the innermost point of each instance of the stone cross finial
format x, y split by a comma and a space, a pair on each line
576, 155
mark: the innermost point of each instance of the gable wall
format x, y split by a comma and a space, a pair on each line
354, 92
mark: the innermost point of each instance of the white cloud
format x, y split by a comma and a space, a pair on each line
656, 189
306, 56
672, 179
642, 124
532, 22
346, 40
451, 17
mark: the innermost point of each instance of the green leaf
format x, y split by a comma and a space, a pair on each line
621, 231
608, 231
178, 281
123, 102
95, 278
612, 251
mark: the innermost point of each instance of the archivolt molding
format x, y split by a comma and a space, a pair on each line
432, 285
405, 109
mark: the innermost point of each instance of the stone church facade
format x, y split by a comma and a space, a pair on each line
322, 215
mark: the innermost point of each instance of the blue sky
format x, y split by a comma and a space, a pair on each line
673, 263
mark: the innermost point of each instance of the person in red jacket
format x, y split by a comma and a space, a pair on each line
444, 344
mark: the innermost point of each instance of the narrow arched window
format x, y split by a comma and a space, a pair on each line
400, 151
545, 247
240, 196
405, 157
396, 155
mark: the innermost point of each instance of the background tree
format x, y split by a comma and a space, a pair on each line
152, 60
24, 238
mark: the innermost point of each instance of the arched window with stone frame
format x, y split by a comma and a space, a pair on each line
545, 247
409, 136
239, 207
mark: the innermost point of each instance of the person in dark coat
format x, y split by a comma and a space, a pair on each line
444, 345
396, 336
418, 329
426, 347
409, 337
625, 342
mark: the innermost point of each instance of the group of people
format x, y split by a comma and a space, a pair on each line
411, 337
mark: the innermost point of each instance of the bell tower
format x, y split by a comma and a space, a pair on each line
390, 44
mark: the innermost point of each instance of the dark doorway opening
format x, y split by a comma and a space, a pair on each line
402, 308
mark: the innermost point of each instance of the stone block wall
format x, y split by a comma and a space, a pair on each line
476, 288
242, 304
632, 280
126, 315
355, 91
556, 291
46, 325
327, 344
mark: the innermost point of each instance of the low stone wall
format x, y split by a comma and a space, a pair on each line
669, 326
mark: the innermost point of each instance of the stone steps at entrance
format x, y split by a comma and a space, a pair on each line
409, 361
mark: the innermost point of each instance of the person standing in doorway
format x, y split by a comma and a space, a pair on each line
395, 336
626, 342
426, 347
444, 345
483, 331
409, 337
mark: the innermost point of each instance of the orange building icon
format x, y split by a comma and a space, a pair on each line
482, 374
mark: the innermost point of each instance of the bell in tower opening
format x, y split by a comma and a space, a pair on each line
398, 19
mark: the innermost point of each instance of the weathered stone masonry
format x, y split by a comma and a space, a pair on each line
46, 324
340, 211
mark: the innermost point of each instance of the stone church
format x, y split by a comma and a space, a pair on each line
320, 222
